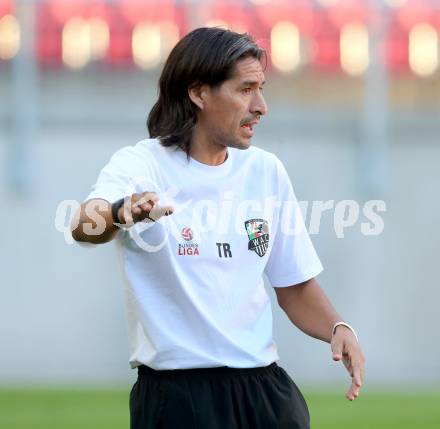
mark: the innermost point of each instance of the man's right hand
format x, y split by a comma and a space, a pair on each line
140, 207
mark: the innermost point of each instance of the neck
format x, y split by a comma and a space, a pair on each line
204, 150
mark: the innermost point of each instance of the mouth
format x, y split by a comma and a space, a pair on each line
249, 126
247, 130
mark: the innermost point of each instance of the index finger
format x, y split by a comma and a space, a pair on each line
158, 211
356, 382
357, 375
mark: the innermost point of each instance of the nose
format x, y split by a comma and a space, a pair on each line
258, 105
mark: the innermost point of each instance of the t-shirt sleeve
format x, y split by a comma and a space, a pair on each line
122, 176
293, 258
115, 181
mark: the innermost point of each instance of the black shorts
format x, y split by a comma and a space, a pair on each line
217, 398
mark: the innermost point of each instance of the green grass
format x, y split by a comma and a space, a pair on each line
63, 409
374, 411
96, 409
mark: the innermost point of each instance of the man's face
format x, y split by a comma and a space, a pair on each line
231, 110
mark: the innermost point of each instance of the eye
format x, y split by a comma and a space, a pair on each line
246, 90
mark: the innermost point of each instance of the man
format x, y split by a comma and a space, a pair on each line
199, 319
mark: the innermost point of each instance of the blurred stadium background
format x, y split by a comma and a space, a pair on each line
353, 89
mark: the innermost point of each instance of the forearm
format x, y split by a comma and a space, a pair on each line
309, 309
94, 225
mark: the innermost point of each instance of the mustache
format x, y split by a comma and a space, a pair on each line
247, 120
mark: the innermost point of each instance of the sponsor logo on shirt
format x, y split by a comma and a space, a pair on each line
188, 248
258, 233
187, 234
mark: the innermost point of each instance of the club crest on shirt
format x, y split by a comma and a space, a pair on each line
258, 233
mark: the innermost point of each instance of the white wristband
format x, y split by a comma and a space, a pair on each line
346, 325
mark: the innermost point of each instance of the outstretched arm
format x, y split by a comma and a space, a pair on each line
93, 222
310, 310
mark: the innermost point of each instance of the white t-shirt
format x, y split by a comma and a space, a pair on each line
193, 280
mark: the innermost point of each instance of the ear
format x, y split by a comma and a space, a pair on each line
197, 94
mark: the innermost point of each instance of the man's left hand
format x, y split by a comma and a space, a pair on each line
345, 347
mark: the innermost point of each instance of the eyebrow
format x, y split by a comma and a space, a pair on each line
252, 83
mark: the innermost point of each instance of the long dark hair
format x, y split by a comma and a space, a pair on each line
203, 56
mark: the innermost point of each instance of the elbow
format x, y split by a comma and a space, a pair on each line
76, 226
75, 231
